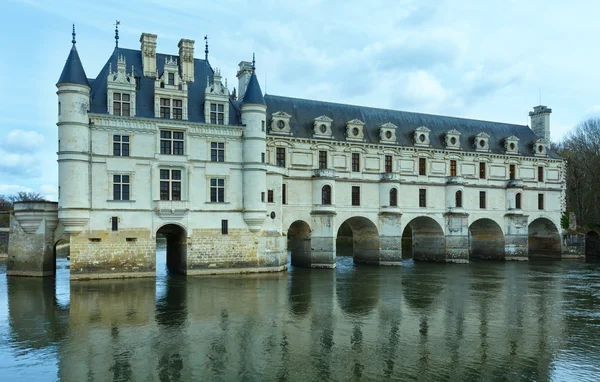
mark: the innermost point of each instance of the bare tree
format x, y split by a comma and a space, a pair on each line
7, 201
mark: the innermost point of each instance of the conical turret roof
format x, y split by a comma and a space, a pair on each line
253, 93
73, 72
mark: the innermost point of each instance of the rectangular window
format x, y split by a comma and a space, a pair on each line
322, 159
120, 187
540, 174
121, 104
177, 109
165, 108
121, 145
217, 113
224, 227
217, 152
355, 195
512, 172
262, 125
115, 223
262, 197
171, 142
422, 197
284, 194
170, 184
481, 199
422, 166
280, 157
388, 163
540, 201
355, 162
481, 170
262, 157
217, 190
452, 168
270, 196
171, 78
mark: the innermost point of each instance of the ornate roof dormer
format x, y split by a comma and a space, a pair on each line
539, 148
216, 101
387, 133
354, 130
421, 137
481, 142
452, 139
511, 145
280, 123
121, 90
322, 127
170, 93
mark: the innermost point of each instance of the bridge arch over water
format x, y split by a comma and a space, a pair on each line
486, 240
423, 238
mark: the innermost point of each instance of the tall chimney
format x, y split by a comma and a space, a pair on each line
148, 49
540, 121
186, 59
243, 76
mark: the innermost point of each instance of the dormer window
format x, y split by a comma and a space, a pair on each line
511, 145
322, 127
354, 130
387, 133
539, 147
421, 136
170, 93
280, 123
121, 104
481, 142
169, 107
452, 140
171, 78
217, 113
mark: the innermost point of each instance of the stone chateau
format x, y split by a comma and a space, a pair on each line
157, 145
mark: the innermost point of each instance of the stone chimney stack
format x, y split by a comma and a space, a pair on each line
540, 121
148, 49
186, 59
243, 76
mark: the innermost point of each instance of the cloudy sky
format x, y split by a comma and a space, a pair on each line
486, 60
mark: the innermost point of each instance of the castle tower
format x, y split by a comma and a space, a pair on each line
73, 144
254, 114
540, 121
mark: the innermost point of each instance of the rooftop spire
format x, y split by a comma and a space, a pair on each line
206, 47
253, 62
73, 34
117, 23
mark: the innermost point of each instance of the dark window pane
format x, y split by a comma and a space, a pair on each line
125, 138
117, 96
213, 107
125, 178
116, 149
176, 174
117, 138
116, 191
125, 97
221, 195
213, 182
176, 195
165, 147
117, 178
125, 192
221, 108
125, 110
164, 174
178, 135
213, 118
177, 103
220, 120
213, 155
213, 194
177, 148
164, 190
213, 145
125, 150
221, 156
221, 182
165, 134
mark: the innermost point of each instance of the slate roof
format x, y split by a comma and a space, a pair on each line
304, 112
73, 72
253, 93
145, 92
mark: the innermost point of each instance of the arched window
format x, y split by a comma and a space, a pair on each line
393, 197
326, 194
518, 201
459, 198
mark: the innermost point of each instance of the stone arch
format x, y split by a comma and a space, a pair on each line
61, 250
592, 244
486, 240
176, 238
299, 243
365, 239
424, 239
543, 238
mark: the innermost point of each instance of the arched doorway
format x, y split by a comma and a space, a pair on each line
592, 244
299, 244
423, 238
360, 235
62, 255
544, 239
171, 240
486, 240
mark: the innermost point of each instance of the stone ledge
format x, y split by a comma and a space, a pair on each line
209, 272
117, 275
29, 273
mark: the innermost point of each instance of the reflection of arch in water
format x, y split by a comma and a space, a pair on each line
421, 286
299, 243
357, 289
365, 239
544, 239
176, 237
423, 238
299, 297
486, 240
171, 304
592, 244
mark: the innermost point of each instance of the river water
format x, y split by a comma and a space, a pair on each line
482, 321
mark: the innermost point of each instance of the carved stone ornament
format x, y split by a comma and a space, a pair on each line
539, 148
280, 123
481, 142
387, 133
452, 139
421, 137
322, 127
354, 130
511, 145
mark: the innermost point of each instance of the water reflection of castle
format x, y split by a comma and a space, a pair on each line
319, 325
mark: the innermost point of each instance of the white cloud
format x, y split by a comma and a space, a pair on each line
49, 191
6, 189
23, 165
19, 141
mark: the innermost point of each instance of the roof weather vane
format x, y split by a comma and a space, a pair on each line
206, 47
117, 23
73, 41
253, 62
